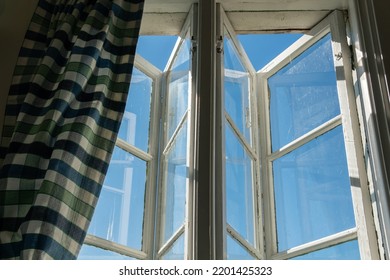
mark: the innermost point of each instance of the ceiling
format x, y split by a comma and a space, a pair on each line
246, 16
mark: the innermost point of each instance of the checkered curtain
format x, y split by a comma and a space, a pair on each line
63, 112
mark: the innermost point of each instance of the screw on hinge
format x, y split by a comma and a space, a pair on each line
339, 56
220, 45
194, 44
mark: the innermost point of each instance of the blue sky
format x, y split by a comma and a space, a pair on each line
260, 48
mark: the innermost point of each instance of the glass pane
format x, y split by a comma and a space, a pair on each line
119, 214
236, 88
136, 119
146, 47
88, 252
257, 46
235, 251
239, 187
312, 191
177, 250
345, 251
175, 185
303, 95
178, 87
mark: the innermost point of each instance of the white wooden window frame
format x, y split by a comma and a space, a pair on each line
188, 119
151, 158
224, 27
364, 231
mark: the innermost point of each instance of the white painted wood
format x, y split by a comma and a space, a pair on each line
113, 246
245, 22
149, 227
172, 141
276, 5
167, 144
353, 144
146, 67
249, 247
162, 24
168, 245
365, 42
167, 17
252, 147
319, 244
267, 195
318, 131
248, 5
220, 170
133, 150
192, 138
360, 194
240, 137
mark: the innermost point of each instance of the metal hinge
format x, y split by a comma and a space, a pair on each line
219, 46
353, 66
194, 45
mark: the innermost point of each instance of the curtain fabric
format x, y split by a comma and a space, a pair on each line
62, 116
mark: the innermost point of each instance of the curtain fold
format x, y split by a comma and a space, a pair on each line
62, 116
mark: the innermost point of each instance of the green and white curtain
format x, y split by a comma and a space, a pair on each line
62, 116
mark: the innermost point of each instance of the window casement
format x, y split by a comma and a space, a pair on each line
215, 160
314, 174
123, 223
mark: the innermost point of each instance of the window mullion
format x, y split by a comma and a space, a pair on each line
113, 246
367, 237
329, 125
236, 236
204, 190
241, 137
328, 241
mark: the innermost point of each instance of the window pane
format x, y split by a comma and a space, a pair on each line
239, 187
178, 87
88, 252
303, 95
177, 250
236, 88
345, 251
235, 251
312, 191
175, 185
146, 47
119, 213
136, 119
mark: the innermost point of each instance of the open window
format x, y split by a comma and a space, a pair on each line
123, 222
313, 167
290, 156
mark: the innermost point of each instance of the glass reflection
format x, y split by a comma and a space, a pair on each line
239, 187
176, 252
312, 191
345, 251
175, 185
303, 95
178, 87
236, 89
135, 124
235, 251
119, 214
